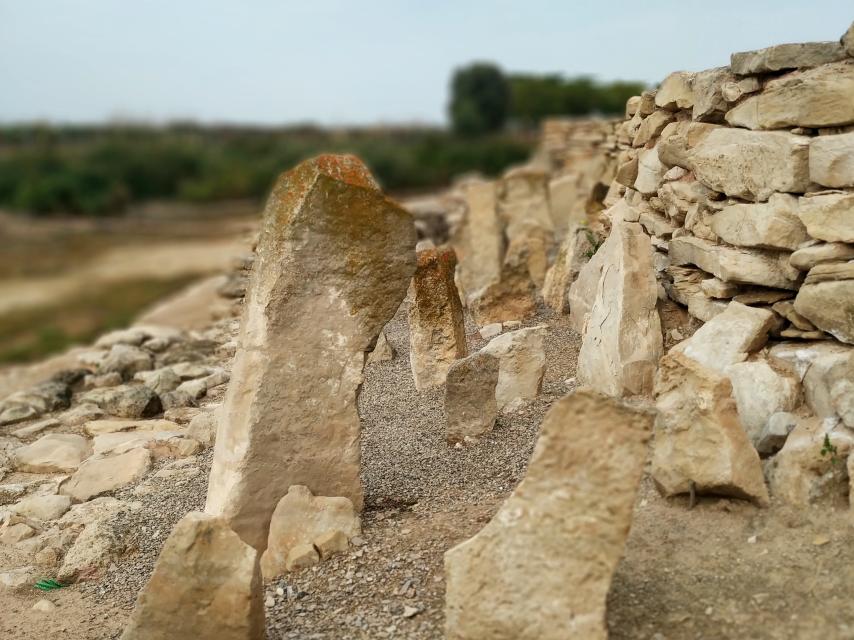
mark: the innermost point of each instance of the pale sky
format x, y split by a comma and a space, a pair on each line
356, 62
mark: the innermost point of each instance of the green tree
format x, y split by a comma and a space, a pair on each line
480, 99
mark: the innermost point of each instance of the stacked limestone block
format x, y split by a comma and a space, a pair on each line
743, 177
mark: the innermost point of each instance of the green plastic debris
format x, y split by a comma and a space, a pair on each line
48, 585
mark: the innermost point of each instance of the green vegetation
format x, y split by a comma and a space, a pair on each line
483, 99
32, 334
480, 99
102, 170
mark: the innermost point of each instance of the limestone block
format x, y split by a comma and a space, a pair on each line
832, 160
771, 225
522, 364
53, 453
759, 393
470, 404
829, 216
786, 56
565, 524
98, 476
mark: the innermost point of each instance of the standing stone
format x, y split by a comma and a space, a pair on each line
437, 333
206, 584
511, 297
479, 243
699, 441
300, 520
574, 252
470, 405
542, 567
334, 261
621, 339
751, 164
383, 351
522, 364
820, 97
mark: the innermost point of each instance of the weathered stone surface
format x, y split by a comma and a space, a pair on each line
650, 171
98, 476
829, 216
126, 361
479, 243
53, 453
775, 432
829, 306
805, 471
334, 261
470, 405
160, 380
100, 427
715, 288
709, 102
759, 393
772, 225
511, 297
675, 92
47, 507
383, 351
832, 160
751, 164
522, 364
812, 363
732, 91
437, 333
819, 97
206, 584
786, 56
576, 249
731, 264
728, 338
699, 442
622, 340
786, 308
840, 383
566, 523
651, 127
301, 518
125, 401
808, 257
679, 139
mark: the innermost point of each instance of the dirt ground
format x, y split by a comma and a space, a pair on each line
724, 569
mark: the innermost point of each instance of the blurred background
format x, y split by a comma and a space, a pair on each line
138, 140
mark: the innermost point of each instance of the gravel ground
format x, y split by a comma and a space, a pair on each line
422, 497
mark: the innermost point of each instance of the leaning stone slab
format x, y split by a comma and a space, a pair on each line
832, 160
564, 526
206, 584
437, 333
522, 364
302, 519
786, 56
751, 164
737, 265
728, 338
622, 340
470, 405
818, 97
335, 258
699, 442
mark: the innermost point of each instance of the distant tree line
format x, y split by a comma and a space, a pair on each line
484, 99
102, 170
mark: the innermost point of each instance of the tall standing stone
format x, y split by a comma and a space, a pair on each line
479, 242
542, 567
335, 258
437, 333
206, 584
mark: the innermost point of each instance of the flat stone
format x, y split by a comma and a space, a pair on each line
699, 442
522, 364
301, 518
819, 97
829, 306
36, 427
770, 225
832, 160
786, 56
53, 453
806, 258
566, 523
470, 405
751, 164
716, 288
437, 333
99, 427
728, 338
42, 508
335, 258
206, 584
829, 217
98, 476
736, 265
